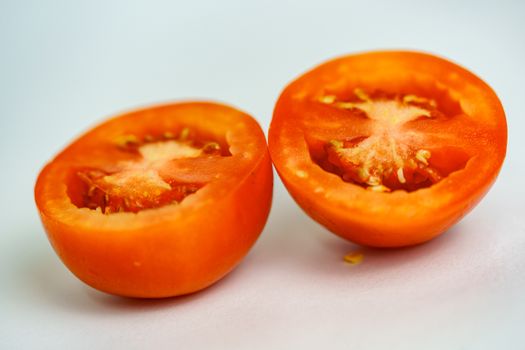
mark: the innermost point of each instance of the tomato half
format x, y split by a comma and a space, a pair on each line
388, 149
158, 202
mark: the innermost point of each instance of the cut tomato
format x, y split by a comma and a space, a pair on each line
158, 202
388, 149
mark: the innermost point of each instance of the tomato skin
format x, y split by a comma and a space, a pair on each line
398, 218
167, 251
380, 230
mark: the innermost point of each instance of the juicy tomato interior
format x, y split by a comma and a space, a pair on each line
145, 180
385, 151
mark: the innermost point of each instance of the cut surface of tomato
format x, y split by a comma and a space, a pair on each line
388, 148
158, 202
143, 182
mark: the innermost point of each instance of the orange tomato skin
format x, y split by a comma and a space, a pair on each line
399, 218
169, 257
382, 231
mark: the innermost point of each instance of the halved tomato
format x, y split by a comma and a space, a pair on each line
388, 149
158, 202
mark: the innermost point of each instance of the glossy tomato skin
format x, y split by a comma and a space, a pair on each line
172, 250
398, 218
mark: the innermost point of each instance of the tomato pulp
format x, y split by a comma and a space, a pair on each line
388, 149
158, 202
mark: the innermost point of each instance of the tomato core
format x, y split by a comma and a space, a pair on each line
142, 182
388, 154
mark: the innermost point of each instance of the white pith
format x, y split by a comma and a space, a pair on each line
141, 178
387, 149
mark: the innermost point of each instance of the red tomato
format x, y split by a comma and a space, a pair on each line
158, 202
388, 149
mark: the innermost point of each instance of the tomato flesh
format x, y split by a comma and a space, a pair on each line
383, 159
137, 184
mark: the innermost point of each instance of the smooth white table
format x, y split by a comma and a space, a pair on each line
66, 65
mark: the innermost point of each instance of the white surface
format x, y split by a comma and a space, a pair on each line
66, 65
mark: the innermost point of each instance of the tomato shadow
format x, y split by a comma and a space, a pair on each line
297, 244
428, 266
393, 258
292, 244
40, 278
115, 303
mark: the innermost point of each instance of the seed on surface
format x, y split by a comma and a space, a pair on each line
184, 134
401, 176
302, 174
91, 190
423, 155
318, 190
354, 258
168, 135
211, 146
336, 144
374, 181
416, 99
363, 173
347, 105
361, 94
327, 99
126, 141
378, 188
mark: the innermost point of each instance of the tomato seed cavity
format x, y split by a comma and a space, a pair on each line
137, 184
386, 159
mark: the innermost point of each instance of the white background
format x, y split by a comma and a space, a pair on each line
65, 65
